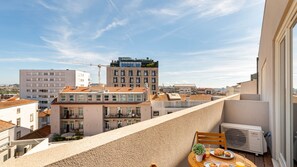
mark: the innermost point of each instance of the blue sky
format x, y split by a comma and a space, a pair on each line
212, 43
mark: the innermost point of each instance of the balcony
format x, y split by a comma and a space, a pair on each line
126, 116
74, 116
164, 141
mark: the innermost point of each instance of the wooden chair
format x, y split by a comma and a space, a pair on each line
211, 138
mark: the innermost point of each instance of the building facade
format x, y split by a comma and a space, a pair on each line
185, 88
44, 85
6, 135
163, 104
21, 112
93, 110
128, 72
277, 77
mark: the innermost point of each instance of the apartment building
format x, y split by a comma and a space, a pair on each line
44, 85
21, 112
277, 77
167, 103
93, 110
128, 72
6, 135
185, 88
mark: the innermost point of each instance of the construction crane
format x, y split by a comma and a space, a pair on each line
99, 70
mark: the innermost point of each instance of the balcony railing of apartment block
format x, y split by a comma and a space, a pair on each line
75, 116
122, 116
164, 141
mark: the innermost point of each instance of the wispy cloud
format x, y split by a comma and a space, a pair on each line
163, 12
73, 6
110, 26
199, 8
21, 59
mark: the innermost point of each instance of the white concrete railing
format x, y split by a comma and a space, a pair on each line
164, 141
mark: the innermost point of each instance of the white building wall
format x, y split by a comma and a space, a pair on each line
32, 82
10, 114
82, 78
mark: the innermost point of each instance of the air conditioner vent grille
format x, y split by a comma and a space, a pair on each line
235, 138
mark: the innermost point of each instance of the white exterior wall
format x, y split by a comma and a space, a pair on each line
170, 106
82, 78
36, 80
10, 114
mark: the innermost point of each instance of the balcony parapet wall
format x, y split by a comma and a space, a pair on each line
165, 141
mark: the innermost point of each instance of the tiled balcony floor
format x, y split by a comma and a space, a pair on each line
260, 160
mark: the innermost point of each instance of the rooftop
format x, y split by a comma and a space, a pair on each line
15, 103
164, 97
4, 125
39, 133
129, 62
184, 85
69, 89
44, 113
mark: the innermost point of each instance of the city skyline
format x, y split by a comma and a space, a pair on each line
210, 44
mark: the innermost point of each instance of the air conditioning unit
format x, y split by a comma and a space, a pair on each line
245, 137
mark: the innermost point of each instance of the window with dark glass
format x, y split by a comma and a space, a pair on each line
115, 79
122, 72
123, 80
145, 73
130, 72
156, 113
138, 73
145, 80
154, 73
115, 72
137, 80
153, 80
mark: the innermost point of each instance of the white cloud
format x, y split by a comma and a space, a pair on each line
163, 11
68, 6
114, 24
21, 59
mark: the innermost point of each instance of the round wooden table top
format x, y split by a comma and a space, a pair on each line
194, 163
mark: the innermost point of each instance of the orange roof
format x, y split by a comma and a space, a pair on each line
44, 113
5, 125
164, 97
39, 133
14, 103
98, 88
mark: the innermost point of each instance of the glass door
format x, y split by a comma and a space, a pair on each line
283, 101
294, 97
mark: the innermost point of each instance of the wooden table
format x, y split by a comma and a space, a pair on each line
193, 162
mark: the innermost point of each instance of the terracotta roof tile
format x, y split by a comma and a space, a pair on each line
44, 113
14, 103
39, 133
4, 125
164, 97
100, 88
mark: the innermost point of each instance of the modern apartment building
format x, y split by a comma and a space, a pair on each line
93, 110
128, 72
21, 112
44, 85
